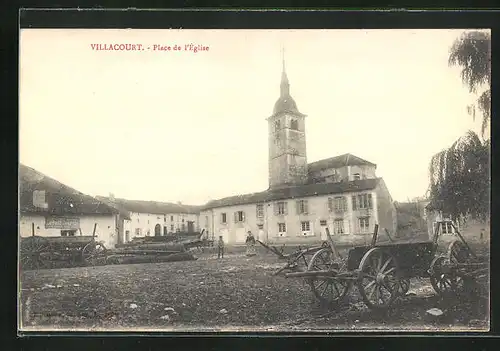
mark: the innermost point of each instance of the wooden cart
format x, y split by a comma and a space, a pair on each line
382, 272
39, 252
297, 261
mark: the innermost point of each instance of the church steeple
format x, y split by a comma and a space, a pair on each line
285, 85
285, 102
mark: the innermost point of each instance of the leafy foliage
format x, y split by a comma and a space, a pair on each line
460, 179
472, 52
460, 175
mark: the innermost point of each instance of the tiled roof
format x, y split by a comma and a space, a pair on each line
337, 162
295, 192
153, 207
60, 199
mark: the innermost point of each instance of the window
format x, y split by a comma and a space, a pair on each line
260, 226
171, 218
306, 226
164, 218
260, 210
281, 229
446, 228
137, 220
322, 222
183, 227
362, 201
239, 216
68, 232
280, 208
338, 226
294, 124
302, 207
138, 231
364, 224
171, 227
357, 176
223, 218
277, 126
337, 204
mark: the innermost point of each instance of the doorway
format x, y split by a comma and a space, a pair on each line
190, 227
157, 230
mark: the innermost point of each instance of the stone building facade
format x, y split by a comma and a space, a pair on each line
341, 193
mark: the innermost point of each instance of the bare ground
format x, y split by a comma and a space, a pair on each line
236, 293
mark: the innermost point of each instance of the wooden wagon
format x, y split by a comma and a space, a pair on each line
296, 261
39, 252
382, 272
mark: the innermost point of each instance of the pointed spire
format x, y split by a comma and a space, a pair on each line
285, 85
283, 58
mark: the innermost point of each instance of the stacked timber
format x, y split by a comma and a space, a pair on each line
147, 251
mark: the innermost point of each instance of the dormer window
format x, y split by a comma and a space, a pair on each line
294, 124
357, 176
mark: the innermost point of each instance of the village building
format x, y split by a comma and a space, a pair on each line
472, 230
341, 193
49, 208
148, 218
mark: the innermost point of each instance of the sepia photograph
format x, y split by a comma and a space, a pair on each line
182, 180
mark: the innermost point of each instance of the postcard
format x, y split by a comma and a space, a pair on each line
183, 180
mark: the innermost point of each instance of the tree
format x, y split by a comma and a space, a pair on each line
460, 179
460, 175
472, 52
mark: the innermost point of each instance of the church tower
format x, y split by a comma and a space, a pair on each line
287, 140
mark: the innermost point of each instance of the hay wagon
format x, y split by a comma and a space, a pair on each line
39, 252
382, 271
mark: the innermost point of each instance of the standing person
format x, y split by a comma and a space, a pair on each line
220, 246
250, 244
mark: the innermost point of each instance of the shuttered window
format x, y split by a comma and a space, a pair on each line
354, 203
280, 208
362, 201
239, 216
302, 207
260, 210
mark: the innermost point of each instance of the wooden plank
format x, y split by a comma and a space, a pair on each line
144, 252
70, 239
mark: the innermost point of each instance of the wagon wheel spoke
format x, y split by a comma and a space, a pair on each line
386, 264
327, 290
32, 250
378, 283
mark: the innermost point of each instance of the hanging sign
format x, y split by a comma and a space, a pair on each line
62, 222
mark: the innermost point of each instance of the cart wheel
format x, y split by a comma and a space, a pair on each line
327, 290
379, 281
93, 252
34, 252
301, 262
444, 281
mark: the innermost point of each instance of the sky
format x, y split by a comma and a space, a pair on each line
191, 127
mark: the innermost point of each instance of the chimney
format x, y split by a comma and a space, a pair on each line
111, 197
